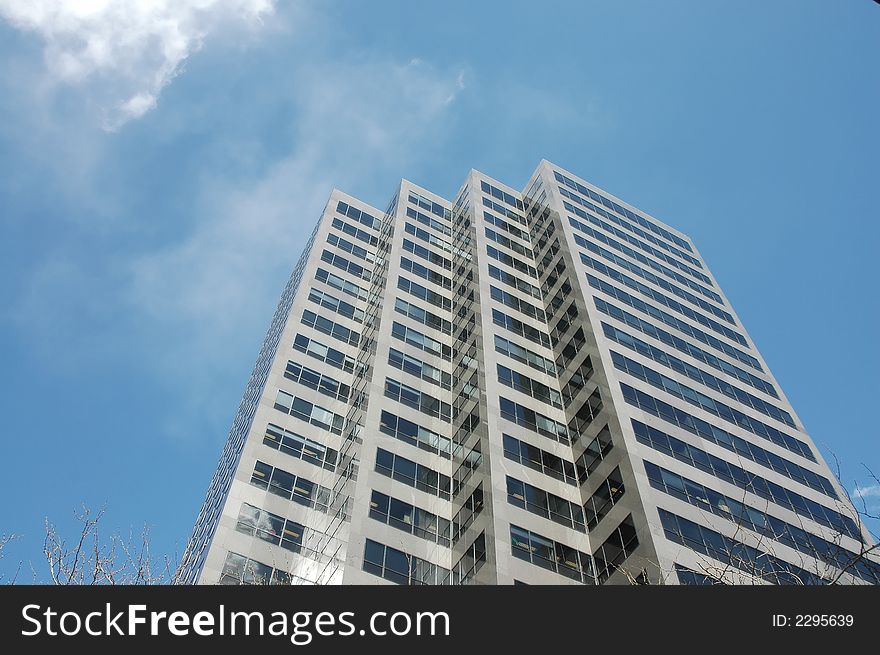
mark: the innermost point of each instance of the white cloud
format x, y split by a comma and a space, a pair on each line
199, 299
374, 113
867, 492
131, 49
215, 288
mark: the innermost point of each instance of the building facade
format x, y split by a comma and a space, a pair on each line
544, 386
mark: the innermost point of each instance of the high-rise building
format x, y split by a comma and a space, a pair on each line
538, 387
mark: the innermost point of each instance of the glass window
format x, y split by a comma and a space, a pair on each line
404, 470
282, 483
516, 492
261, 475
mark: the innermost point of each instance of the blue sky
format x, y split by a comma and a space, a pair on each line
159, 168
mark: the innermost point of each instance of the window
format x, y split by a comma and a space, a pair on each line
299, 447
291, 487
606, 496
306, 411
526, 385
412, 474
323, 353
540, 502
329, 327
531, 419
550, 555
415, 435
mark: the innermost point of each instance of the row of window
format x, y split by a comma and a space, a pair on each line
760, 522
516, 303
349, 247
313, 379
409, 518
565, 321
422, 316
552, 251
528, 386
330, 328
429, 221
757, 485
655, 279
501, 209
540, 460
342, 263
587, 413
609, 491
647, 261
529, 418
417, 399
641, 244
421, 341
599, 236
683, 346
334, 304
505, 226
495, 192
358, 215
656, 229
419, 369
241, 570
299, 447
524, 355
567, 561
291, 487
551, 555
413, 474
522, 329
562, 294
698, 375
426, 273
271, 528
309, 412
355, 232
427, 254
512, 280
425, 203
323, 353
632, 228
427, 237
542, 241
424, 293
569, 352
578, 380
510, 244
666, 301
672, 321
726, 412
688, 577
423, 524
760, 564
405, 569
734, 444
416, 435
543, 503
511, 261
341, 284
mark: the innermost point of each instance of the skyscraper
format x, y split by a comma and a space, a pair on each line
538, 387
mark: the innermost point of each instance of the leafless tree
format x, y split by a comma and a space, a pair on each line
93, 558
4, 540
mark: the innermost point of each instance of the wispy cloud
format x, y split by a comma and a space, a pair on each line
871, 491
217, 286
195, 289
126, 51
